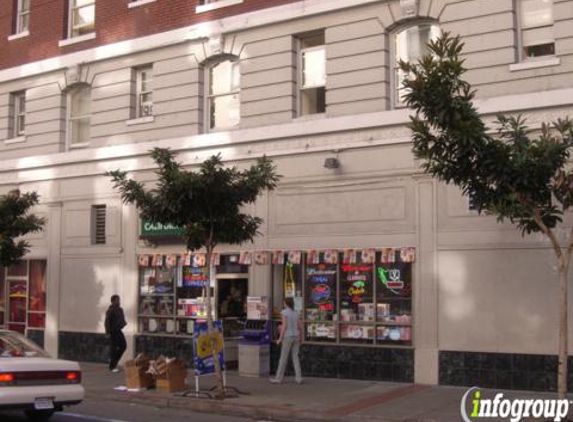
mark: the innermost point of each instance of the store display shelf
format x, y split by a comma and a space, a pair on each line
155, 316
156, 294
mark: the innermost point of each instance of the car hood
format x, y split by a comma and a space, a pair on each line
37, 364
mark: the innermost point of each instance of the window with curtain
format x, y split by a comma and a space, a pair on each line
537, 35
79, 115
82, 17
223, 95
411, 44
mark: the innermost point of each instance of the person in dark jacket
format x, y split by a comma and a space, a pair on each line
114, 323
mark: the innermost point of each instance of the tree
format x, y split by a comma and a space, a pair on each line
520, 175
16, 222
207, 204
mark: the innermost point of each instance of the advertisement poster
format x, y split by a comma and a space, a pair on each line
202, 347
257, 307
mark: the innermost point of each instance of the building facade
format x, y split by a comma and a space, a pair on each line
396, 277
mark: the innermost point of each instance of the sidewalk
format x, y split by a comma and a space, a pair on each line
318, 399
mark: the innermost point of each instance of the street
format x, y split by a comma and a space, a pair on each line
108, 411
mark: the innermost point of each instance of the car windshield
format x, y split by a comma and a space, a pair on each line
14, 345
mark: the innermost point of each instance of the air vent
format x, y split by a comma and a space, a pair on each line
98, 224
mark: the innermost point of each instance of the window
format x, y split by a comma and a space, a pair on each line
411, 45
82, 17
18, 114
537, 37
22, 16
223, 99
362, 297
144, 81
79, 115
312, 75
98, 224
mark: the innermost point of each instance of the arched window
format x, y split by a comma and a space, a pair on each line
223, 95
410, 45
79, 99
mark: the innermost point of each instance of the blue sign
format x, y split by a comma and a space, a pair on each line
203, 347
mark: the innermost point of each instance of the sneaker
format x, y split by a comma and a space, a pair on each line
298, 382
115, 370
275, 381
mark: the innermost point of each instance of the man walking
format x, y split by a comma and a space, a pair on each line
114, 323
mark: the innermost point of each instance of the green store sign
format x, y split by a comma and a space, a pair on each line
148, 229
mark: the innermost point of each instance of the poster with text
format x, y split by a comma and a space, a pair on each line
203, 347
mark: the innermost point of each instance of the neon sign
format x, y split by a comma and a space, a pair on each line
391, 278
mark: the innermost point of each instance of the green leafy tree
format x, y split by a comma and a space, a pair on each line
518, 175
207, 203
15, 221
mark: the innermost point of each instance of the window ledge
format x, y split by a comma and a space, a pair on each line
19, 35
17, 140
309, 117
138, 3
75, 40
535, 64
80, 145
140, 120
216, 5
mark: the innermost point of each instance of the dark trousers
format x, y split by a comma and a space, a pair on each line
117, 346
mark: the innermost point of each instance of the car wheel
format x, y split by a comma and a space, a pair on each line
39, 415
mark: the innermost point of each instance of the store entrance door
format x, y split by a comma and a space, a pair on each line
17, 295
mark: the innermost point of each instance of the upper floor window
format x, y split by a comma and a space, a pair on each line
144, 81
312, 74
411, 44
82, 17
17, 126
79, 99
536, 21
223, 95
22, 16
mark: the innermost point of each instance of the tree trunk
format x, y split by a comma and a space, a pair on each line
563, 329
220, 394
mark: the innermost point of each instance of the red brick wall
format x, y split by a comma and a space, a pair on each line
114, 22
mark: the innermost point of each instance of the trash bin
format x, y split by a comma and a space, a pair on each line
254, 349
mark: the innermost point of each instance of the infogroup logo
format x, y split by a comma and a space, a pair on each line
512, 409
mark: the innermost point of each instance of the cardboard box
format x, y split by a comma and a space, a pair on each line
172, 377
136, 376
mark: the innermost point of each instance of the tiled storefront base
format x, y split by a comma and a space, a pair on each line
37, 336
501, 370
352, 362
154, 346
86, 347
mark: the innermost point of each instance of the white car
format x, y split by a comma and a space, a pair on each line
34, 382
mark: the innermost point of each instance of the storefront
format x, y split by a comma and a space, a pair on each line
23, 298
355, 304
172, 297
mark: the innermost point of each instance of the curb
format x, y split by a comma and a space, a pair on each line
233, 409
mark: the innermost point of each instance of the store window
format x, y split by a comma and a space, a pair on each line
537, 34
350, 297
312, 74
23, 296
79, 115
81, 17
411, 44
172, 294
224, 81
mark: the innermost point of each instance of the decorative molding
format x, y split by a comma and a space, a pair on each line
196, 32
215, 45
409, 8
